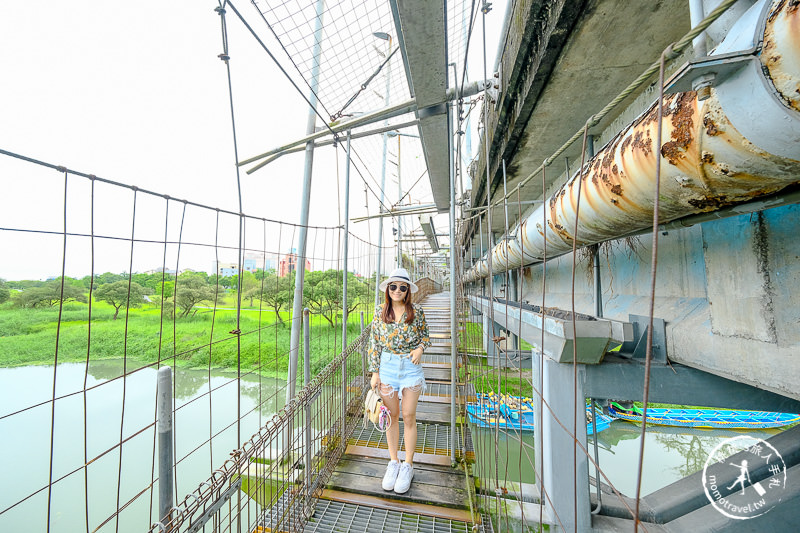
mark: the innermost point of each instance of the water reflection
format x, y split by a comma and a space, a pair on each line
677, 451
671, 453
207, 408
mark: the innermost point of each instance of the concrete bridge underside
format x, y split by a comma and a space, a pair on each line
726, 288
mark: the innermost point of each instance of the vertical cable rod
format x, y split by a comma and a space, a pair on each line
653, 269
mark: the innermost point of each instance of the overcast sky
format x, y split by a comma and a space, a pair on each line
135, 93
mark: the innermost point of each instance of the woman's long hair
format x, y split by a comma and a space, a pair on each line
387, 315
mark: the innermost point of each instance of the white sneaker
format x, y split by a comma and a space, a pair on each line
404, 478
390, 476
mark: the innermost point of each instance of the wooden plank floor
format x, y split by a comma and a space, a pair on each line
438, 489
440, 484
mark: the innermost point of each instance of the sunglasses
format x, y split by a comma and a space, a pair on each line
393, 287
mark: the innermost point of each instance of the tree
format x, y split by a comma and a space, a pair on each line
5, 294
225, 281
49, 294
322, 293
102, 279
153, 281
408, 263
251, 286
362, 290
116, 294
192, 290
21, 285
168, 288
274, 292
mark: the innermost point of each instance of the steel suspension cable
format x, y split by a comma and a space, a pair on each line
654, 265
225, 57
294, 84
291, 59
55, 355
211, 342
283, 70
86, 371
575, 336
175, 343
543, 491
491, 276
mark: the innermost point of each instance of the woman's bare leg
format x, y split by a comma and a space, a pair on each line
392, 402
410, 399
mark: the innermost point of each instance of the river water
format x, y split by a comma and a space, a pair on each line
25, 440
670, 453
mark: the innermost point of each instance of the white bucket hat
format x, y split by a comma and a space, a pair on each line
399, 274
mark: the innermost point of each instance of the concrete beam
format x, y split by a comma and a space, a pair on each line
593, 335
623, 379
430, 232
423, 38
432, 133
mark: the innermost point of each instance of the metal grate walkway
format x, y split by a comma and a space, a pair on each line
333, 516
443, 389
432, 439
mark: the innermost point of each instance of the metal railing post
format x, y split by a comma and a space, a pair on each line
364, 367
383, 186
346, 242
453, 323
344, 402
306, 381
300, 265
165, 457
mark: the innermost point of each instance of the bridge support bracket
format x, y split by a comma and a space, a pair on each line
637, 348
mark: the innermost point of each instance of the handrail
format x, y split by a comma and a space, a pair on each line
426, 287
286, 490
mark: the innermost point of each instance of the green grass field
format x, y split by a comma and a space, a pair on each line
28, 336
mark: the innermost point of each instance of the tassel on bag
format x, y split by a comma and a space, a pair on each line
384, 420
376, 412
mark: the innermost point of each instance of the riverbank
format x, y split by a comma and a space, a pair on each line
208, 338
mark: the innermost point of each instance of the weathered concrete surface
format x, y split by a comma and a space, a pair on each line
563, 62
423, 27
727, 290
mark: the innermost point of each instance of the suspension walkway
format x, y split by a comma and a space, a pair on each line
439, 497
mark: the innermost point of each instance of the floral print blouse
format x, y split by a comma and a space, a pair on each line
397, 337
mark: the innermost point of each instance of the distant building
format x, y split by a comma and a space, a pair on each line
250, 262
225, 269
159, 270
253, 262
288, 264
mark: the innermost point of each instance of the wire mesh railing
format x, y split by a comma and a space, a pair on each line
273, 479
130, 293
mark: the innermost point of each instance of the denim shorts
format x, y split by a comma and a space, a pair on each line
397, 373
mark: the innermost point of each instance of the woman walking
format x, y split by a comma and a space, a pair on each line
399, 337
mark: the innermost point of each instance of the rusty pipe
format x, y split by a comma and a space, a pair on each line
706, 161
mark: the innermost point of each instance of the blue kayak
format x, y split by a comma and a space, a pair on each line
514, 412
705, 418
